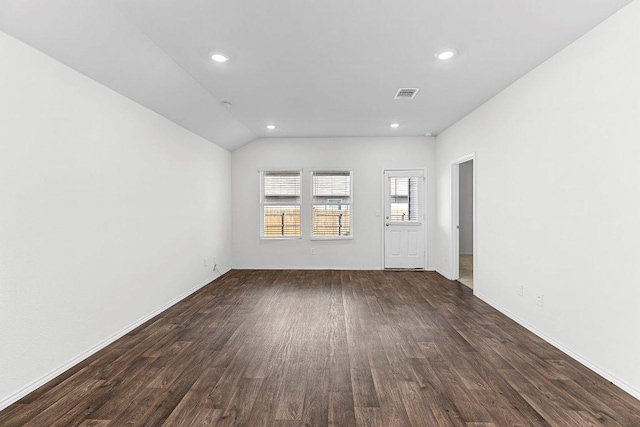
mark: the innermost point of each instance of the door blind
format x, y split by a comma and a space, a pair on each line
404, 192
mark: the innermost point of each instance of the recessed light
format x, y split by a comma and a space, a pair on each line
443, 55
395, 125
219, 57
271, 127
226, 104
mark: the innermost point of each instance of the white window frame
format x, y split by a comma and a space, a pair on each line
261, 173
329, 170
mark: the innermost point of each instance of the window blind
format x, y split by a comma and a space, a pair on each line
281, 204
331, 210
404, 192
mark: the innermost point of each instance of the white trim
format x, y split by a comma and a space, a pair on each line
281, 238
383, 216
566, 350
298, 267
331, 169
325, 238
470, 156
408, 173
316, 267
260, 170
14, 397
454, 244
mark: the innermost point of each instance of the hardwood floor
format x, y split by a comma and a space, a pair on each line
320, 348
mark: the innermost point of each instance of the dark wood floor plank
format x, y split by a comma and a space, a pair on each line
328, 348
339, 366
239, 408
392, 407
444, 360
205, 417
20, 413
364, 391
417, 404
183, 413
51, 415
95, 423
503, 397
341, 410
368, 417
545, 404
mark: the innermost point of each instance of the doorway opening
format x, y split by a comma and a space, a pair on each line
463, 220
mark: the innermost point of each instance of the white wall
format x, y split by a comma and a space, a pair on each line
106, 212
465, 210
558, 206
367, 157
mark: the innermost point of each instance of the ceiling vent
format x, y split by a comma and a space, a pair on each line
406, 93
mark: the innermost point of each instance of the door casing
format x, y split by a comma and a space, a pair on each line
454, 256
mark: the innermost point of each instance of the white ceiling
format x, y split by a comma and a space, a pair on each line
312, 68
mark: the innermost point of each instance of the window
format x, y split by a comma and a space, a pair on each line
281, 204
404, 194
331, 210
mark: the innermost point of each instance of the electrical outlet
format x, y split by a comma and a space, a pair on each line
520, 290
539, 299
313, 251
205, 261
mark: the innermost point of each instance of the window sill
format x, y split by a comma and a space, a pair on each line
281, 238
332, 238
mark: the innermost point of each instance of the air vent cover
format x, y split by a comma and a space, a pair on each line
406, 93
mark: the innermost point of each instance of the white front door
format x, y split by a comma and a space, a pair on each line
404, 219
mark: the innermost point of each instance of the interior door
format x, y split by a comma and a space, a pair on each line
404, 219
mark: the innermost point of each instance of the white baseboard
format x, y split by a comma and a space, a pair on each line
583, 360
14, 397
298, 267
315, 267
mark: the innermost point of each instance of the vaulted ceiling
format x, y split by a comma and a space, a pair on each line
311, 68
